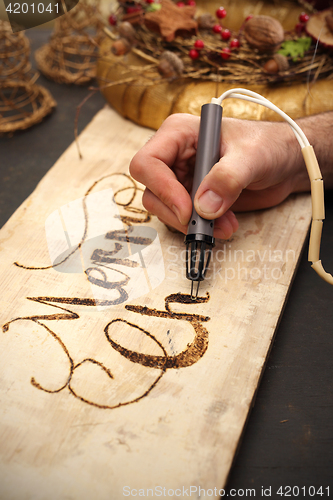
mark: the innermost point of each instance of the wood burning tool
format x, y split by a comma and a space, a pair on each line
199, 239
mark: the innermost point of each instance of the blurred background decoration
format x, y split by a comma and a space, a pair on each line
22, 102
163, 56
71, 54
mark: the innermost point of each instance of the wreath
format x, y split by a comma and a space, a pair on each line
154, 42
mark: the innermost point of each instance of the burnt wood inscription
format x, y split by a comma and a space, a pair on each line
101, 258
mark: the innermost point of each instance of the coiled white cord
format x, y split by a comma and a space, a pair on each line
317, 184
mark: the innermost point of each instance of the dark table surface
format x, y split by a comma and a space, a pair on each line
288, 440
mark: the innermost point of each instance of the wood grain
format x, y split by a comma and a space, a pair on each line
132, 386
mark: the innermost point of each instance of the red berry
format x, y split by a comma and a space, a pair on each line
180, 4
304, 17
131, 10
226, 34
234, 44
113, 20
192, 3
299, 28
217, 28
248, 17
150, 1
226, 53
221, 12
194, 54
199, 44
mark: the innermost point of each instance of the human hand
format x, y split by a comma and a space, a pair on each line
260, 165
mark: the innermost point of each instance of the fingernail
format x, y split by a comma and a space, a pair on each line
177, 213
210, 202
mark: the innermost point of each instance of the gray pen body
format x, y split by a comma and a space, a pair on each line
208, 153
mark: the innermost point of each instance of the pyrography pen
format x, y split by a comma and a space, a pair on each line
199, 240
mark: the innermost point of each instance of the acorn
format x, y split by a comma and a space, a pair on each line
264, 33
271, 66
166, 69
126, 30
170, 65
278, 63
206, 22
121, 47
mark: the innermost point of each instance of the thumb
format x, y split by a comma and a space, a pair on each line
221, 188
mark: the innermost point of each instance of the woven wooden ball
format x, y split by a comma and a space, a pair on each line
14, 54
22, 102
71, 54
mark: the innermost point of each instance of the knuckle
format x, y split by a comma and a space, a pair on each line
136, 166
234, 185
165, 192
147, 201
228, 181
177, 122
173, 119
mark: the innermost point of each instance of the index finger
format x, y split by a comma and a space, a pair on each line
163, 163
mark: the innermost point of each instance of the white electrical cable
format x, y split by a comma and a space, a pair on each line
317, 185
248, 95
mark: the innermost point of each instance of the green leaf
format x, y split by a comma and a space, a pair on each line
295, 48
153, 7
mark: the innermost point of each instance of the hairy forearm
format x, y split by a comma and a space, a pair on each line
319, 131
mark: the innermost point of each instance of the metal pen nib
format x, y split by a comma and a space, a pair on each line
198, 254
199, 240
194, 297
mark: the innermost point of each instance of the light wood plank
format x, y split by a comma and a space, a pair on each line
191, 408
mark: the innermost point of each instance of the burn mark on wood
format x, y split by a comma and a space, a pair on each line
194, 350
127, 220
163, 362
125, 236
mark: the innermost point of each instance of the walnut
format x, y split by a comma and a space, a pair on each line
264, 33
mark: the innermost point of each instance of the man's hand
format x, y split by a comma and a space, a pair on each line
260, 165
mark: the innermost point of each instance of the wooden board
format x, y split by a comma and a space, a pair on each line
113, 381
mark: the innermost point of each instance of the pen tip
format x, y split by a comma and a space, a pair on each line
194, 296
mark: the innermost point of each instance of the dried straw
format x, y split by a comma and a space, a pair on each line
245, 65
